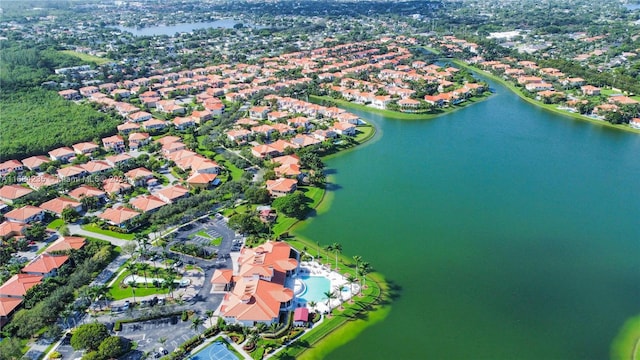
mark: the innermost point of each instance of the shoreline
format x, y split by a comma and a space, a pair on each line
534, 102
345, 328
396, 115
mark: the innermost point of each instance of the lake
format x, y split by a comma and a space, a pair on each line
512, 232
171, 30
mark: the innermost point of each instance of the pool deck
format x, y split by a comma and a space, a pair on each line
337, 281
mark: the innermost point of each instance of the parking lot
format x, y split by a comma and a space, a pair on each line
148, 334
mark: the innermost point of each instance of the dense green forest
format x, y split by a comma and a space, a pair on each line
35, 121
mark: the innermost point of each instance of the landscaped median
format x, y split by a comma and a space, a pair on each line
96, 229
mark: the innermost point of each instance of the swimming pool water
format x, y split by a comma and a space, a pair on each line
316, 286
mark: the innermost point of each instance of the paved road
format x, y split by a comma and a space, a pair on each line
77, 230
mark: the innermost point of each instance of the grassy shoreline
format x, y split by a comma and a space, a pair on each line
344, 325
548, 107
400, 115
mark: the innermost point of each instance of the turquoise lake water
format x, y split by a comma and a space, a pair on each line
510, 232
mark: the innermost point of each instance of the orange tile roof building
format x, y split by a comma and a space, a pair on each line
259, 294
45, 265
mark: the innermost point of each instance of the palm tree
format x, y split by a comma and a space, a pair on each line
329, 295
143, 242
155, 271
357, 259
365, 268
337, 249
209, 314
99, 291
351, 279
327, 249
144, 267
312, 304
273, 327
196, 322
162, 340
134, 285
169, 282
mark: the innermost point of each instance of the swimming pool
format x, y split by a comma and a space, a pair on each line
216, 351
315, 287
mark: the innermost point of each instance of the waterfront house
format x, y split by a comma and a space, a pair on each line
281, 187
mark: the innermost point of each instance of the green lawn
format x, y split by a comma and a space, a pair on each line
87, 57
96, 229
626, 345
214, 241
284, 223
55, 224
365, 133
119, 291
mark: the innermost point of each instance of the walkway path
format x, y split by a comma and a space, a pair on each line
77, 230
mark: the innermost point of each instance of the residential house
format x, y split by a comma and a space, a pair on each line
85, 148
239, 135
56, 206
114, 186
67, 243
119, 216
71, 172
11, 193
203, 180
147, 203
259, 112
69, 94
635, 123
115, 143
183, 123
139, 116
9, 229
36, 163
137, 140
10, 166
45, 265
44, 180
62, 154
128, 128
18, 285
262, 151
139, 176
304, 140
94, 167
344, 129
281, 187
172, 193
590, 90
119, 159
26, 214
87, 191
154, 125
301, 317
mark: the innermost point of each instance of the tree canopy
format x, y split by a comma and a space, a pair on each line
292, 205
89, 336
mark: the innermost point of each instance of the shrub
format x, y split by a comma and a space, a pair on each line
55, 355
184, 316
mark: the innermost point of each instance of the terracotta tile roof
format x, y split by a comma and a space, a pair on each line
201, 178
172, 193
67, 243
23, 213
45, 264
222, 276
85, 190
8, 305
10, 228
118, 215
18, 284
85, 147
71, 171
35, 162
40, 181
147, 203
255, 300
58, 204
13, 192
